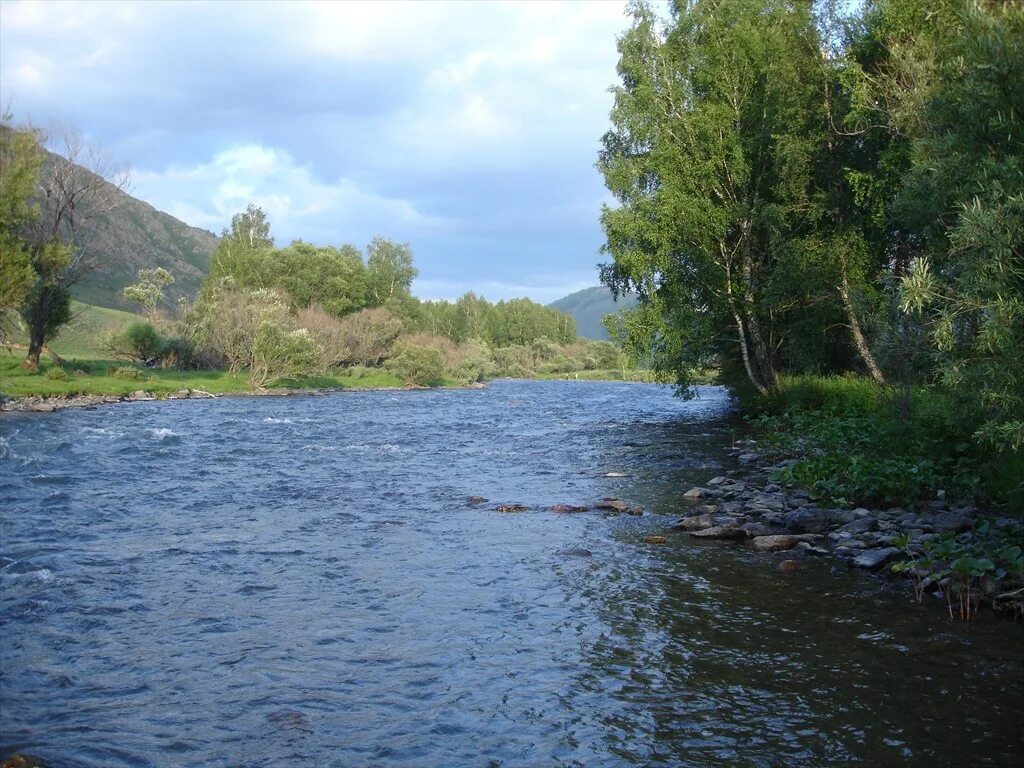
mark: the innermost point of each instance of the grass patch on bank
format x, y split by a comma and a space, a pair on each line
92, 376
860, 443
637, 375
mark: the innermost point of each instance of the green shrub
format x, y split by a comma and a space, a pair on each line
127, 372
416, 365
357, 371
987, 559
57, 374
859, 443
144, 341
279, 353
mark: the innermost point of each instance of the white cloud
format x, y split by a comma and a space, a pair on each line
297, 204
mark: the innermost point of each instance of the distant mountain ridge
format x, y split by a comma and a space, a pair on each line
589, 306
136, 235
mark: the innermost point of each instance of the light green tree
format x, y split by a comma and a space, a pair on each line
389, 274
149, 291
20, 162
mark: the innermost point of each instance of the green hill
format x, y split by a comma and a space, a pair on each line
588, 306
135, 235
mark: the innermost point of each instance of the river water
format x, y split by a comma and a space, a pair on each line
299, 581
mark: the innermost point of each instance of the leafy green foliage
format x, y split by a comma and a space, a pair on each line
56, 373
144, 341
127, 373
984, 560
862, 443
417, 365
149, 291
20, 161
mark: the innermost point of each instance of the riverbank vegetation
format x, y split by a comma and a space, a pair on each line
280, 316
831, 209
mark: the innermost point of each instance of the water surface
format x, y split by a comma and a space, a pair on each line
299, 581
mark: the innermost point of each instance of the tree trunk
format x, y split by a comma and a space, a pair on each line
855, 331
761, 356
745, 353
35, 347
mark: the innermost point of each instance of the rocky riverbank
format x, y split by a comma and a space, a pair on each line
40, 404
746, 505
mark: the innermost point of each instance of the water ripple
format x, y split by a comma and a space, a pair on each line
300, 581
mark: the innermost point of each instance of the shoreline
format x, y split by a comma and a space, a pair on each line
44, 404
41, 403
744, 505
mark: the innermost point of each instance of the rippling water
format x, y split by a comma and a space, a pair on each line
298, 581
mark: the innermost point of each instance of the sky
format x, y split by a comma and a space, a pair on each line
468, 129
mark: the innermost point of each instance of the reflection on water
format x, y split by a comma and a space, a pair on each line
258, 581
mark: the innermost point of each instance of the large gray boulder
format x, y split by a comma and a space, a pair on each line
874, 559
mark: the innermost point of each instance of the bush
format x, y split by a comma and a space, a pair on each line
57, 374
279, 353
859, 443
362, 338
144, 341
137, 341
127, 372
417, 365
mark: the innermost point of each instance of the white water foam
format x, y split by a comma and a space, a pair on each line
160, 433
98, 432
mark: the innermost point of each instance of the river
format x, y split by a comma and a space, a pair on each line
300, 581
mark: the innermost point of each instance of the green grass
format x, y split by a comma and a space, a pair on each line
81, 337
92, 376
639, 375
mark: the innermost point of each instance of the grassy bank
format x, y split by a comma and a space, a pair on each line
859, 443
109, 377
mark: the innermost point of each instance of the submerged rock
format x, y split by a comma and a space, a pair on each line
654, 539
574, 552
694, 523
720, 532
694, 495
789, 566
568, 508
612, 504
512, 508
775, 543
475, 500
23, 761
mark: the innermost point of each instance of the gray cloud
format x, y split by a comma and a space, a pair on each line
468, 129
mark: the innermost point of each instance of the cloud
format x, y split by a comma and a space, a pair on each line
297, 204
469, 129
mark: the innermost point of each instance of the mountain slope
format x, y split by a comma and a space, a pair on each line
135, 235
588, 306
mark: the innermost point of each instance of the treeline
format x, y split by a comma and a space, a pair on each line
800, 192
302, 310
